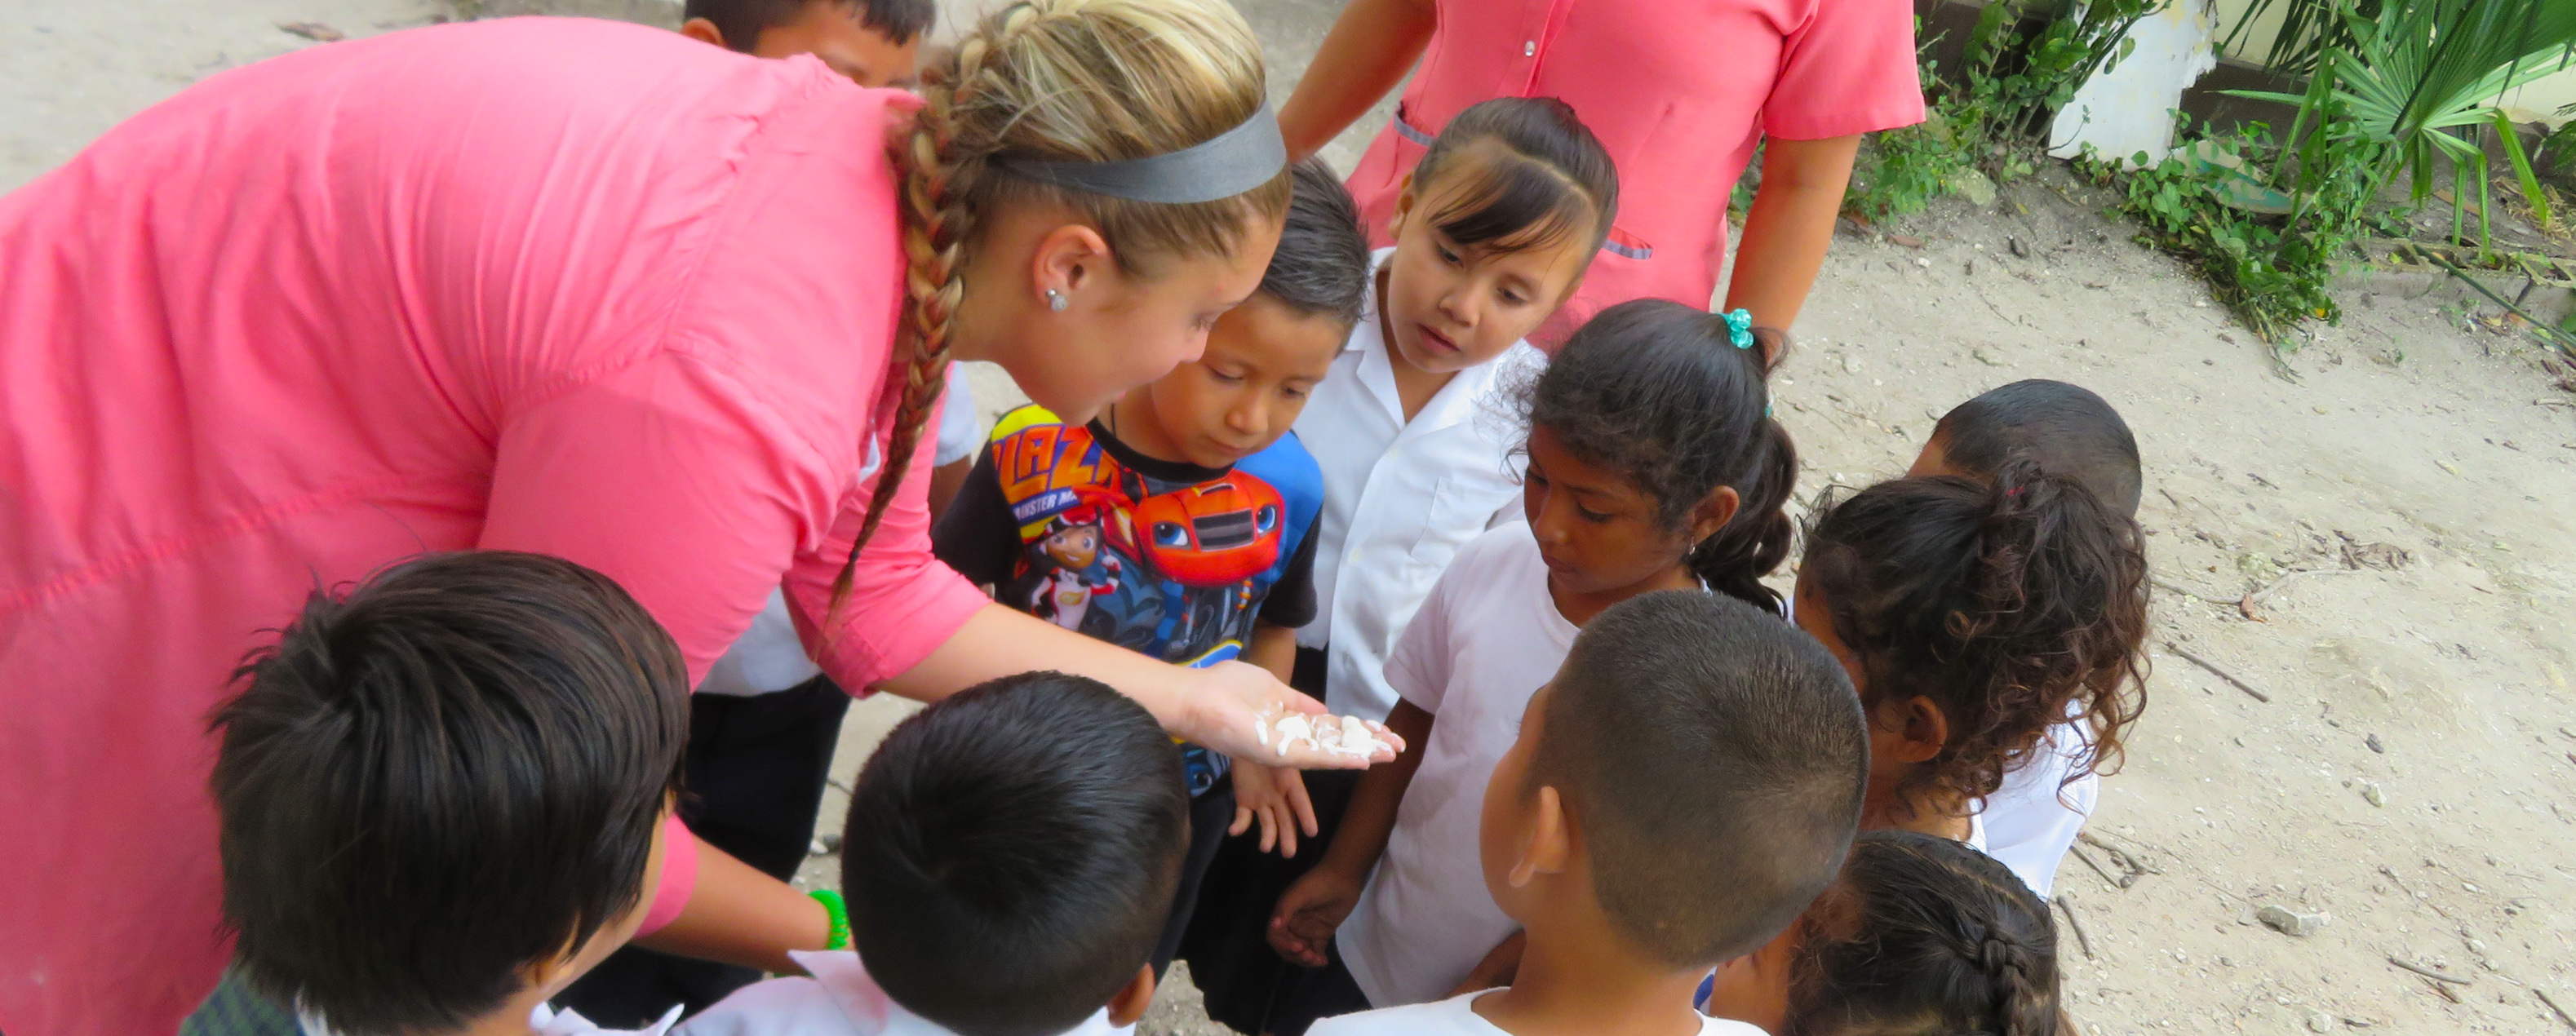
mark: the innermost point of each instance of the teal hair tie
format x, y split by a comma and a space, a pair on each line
1739, 327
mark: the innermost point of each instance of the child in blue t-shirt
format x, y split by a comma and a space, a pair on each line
1180, 522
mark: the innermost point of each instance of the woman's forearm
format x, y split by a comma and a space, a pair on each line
1368, 51
999, 641
1370, 819
1791, 225
738, 915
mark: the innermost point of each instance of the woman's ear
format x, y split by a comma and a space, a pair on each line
1132, 999
1714, 512
1919, 727
1550, 845
1067, 259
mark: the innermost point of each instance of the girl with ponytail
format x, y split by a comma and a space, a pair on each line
583, 289
1972, 616
1919, 936
1653, 464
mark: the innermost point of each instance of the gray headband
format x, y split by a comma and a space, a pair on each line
1221, 166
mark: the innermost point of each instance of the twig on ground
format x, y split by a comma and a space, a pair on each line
2435, 974
2221, 673
2097, 868
2246, 606
2131, 867
2066, 903
2188, 592
2442, 989
2561, 1012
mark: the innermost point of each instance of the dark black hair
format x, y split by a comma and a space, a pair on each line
741, 21
1012, 851
1923, 936
1322, 265
2002, 602
2065, 429
1544, 176
443, 776
1714, 760
1657, 391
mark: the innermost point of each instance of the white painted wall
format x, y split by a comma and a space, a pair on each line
2129, 108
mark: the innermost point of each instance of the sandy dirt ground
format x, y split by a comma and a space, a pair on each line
2371, 533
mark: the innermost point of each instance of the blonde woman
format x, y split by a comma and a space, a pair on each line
583, 289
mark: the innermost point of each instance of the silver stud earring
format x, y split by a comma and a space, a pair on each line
1056, 300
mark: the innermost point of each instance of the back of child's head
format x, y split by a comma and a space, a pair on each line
1658, 392
1012, 852
2002, 602
1924, 936
1713, 759
742, 21
2065, 429
1516, 173
446, 775
1322, 265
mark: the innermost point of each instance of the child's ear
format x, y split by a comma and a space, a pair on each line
1714, 512
1921, 728
1132, 999
703, 31
1403, 207
1551, 840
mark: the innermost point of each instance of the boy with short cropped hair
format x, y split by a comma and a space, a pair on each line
1012, 852
874, 42
442, 798
2070, 432
1180, 522
1677, 795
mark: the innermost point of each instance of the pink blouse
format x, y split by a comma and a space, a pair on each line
567, 286
1678, 92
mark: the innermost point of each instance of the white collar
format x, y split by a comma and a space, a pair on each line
870, 1010
1456, 401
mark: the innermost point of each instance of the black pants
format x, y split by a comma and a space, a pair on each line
755, 772
1247, 984
1210, 814
1310, 996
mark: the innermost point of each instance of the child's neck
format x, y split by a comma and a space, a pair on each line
1597, 988
1131, 420
1938, 813
1414, 386
1579, 608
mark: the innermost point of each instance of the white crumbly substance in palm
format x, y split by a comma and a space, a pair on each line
1332, 735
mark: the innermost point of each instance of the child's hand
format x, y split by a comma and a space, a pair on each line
1309, 911
1278, 797
1230, 707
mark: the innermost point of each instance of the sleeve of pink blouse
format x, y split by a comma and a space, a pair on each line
903, 602
1850, 69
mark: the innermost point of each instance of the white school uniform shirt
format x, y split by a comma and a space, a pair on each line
1487, 638
1457, 1016
1400, 497
840, 999
2031, 820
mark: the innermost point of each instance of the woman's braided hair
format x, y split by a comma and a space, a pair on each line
1058, 80
1924, 936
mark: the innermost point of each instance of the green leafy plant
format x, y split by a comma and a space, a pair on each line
1991, 120
2268, 250
2417, 78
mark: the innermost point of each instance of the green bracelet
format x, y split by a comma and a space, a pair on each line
839, 910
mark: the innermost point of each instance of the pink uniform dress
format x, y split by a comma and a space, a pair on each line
567, 286
1678, 91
